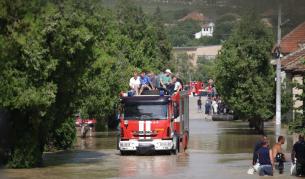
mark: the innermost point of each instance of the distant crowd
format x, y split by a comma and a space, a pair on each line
214, 104
149, 81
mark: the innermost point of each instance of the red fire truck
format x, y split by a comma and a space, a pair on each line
196, 88
154, 123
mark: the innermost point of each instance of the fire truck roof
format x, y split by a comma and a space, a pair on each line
143, 99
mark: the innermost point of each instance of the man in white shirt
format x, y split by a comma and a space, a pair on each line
134, 83
178, 85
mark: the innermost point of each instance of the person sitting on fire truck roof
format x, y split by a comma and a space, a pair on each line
175, 85
134, 83
145, 82
165, 78
154, 80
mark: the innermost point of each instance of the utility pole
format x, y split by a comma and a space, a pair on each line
278, 72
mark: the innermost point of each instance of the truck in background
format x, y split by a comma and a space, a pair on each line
197, 88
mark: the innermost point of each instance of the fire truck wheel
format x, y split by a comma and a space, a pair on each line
123, 152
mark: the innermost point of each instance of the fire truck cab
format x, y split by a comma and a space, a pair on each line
154, 123
196, 88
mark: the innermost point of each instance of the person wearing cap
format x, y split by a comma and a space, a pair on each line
298, 156
165, 79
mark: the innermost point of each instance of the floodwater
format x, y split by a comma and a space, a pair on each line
216, 150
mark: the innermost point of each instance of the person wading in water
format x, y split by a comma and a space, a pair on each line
265, 160
277, 153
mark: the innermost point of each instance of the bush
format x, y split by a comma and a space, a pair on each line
26, 153
64, 136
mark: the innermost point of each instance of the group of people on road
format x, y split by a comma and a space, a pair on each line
270, 158
214, 103
212, 106
150, 81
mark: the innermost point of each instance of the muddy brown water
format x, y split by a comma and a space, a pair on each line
216, 150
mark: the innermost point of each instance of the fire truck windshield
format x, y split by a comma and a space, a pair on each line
145, 111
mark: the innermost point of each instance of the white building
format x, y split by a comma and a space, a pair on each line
206, 31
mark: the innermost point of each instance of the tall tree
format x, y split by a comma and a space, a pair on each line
60, 58
244, 76
26, 92
141, 45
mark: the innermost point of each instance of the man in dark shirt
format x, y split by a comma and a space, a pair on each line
257, 146
208, 106
199, 103
265, 160
298, 152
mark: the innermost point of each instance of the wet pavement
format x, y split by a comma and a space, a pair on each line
216, 150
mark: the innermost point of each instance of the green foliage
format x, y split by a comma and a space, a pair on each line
25, 89
144, 44
244, 76
224, 26
176, 9
59, 58
101, 87
184, 67
26, 153
65, 134
183, 32
205, 69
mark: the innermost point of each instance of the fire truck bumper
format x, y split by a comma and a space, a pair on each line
135, 145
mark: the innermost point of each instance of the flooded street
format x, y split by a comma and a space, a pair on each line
216, 150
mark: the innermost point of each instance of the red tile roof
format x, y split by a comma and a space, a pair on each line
268, 13
291, 42
196, 16
295, 61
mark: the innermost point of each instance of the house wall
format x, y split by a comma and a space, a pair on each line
206, 31
295, 91
287, 80
209, 52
